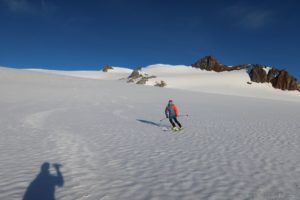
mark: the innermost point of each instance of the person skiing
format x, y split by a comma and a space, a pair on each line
172, 113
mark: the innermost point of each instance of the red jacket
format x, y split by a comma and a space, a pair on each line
171, 111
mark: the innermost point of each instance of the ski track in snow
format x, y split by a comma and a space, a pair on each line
232, 147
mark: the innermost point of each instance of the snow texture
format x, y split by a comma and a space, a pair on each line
107, 136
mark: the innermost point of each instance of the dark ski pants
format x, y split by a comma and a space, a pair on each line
175, 120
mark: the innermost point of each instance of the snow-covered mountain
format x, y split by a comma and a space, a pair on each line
237, 82
108, 137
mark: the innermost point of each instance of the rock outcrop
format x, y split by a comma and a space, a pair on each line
106, 68
280, 79
210, 63
258, 74
161, 84
273, 73
142, 81
284, 81
138, 77
135, 74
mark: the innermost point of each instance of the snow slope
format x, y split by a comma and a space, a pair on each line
192, 79
115, 74
107, 137
227, 83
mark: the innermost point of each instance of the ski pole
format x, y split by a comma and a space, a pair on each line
162, 119
186, 115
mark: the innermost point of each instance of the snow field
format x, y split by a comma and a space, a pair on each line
106, 136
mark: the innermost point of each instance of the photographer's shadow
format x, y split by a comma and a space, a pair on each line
43, 186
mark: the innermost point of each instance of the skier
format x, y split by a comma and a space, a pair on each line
172, 113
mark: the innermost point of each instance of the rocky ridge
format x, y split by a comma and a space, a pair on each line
280, 79
140, 78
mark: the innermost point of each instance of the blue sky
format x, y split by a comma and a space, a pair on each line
61, 34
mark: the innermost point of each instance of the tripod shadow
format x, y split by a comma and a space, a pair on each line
43, 186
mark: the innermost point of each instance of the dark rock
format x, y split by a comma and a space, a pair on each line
142, 81
208, 63
279, 78
258, 74
138, 77
161, 84
135, 74
106, 68
273, 73
284, 81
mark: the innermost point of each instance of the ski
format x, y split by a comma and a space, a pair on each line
172, 130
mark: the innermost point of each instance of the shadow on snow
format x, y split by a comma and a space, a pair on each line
149, 122
43, 186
